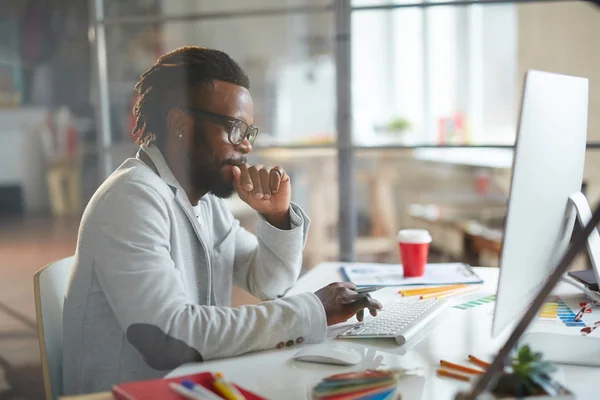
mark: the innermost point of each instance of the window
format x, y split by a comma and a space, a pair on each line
438, 75
287, 56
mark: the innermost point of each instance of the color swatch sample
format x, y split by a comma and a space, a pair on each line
475, 303
555, 308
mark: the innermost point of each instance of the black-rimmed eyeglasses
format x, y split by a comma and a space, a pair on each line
237, 129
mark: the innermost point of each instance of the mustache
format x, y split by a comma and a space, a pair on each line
236, 162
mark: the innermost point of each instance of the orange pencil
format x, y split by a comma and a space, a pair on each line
478, 362
448, 374
460, 368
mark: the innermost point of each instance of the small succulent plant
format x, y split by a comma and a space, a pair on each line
527, 375
398, 125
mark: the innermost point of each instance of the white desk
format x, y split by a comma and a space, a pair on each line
460, 332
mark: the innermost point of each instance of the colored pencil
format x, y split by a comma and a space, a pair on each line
414, 292
471, 288
449, 293
448, 374
479, 362
460, 368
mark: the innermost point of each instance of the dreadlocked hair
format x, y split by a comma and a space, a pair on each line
172, 79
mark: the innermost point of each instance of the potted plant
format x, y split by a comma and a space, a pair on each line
527, 377
395, 127
398, 125
393, 131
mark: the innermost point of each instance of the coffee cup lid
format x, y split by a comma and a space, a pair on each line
414, 236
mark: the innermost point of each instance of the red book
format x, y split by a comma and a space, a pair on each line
159, 388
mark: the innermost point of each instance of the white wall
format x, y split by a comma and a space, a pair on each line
500, 83
565, 38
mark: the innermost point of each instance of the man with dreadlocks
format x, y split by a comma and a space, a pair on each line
158, 250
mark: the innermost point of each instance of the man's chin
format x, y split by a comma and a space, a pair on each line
224, 192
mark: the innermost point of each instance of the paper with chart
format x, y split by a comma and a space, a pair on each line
372, 274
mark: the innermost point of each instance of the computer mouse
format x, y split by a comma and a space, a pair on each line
329, 354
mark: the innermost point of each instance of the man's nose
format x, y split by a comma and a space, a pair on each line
244, 147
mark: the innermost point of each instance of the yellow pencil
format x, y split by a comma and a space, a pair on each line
470, 288
225, 389
409, 292
451, 292
413, 292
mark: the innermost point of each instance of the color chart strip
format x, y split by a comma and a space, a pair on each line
557, 309
475, 303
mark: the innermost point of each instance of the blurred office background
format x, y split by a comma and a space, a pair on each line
435, 95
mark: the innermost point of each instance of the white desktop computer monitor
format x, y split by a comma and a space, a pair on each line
546, 181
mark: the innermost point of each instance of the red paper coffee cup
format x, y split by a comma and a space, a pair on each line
414, 249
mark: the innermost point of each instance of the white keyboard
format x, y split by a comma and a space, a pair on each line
402, 320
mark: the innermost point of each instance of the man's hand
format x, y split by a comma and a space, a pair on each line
341, 302
266, 190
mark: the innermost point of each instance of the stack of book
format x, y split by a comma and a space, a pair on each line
363, 385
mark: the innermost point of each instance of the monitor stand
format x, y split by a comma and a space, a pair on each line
574, 348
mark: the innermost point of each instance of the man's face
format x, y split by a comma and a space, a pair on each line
211, 155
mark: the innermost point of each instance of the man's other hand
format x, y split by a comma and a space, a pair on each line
266, 190
341, 302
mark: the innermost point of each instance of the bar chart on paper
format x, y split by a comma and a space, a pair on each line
555, 309
477, 302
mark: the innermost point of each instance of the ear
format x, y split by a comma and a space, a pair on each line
179, 125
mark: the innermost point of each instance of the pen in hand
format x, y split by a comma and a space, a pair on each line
367, 289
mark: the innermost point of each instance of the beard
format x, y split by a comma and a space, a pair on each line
209, 176
206, 169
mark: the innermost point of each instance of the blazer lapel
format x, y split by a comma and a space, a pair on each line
152, 157
155, 160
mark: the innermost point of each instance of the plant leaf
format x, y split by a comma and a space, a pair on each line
544, 382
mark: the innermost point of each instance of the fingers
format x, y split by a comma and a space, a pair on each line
349, 285
360, 315
245, 178
277, 175
363, 301
356, 303
264, 181
341, 302
237, 175
257, 186
274, 177
351, 297
373, 305
345, 285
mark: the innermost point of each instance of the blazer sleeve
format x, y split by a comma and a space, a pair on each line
269, 264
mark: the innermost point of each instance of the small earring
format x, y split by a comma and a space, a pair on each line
180, 136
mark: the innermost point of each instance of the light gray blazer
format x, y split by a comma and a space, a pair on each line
151, 284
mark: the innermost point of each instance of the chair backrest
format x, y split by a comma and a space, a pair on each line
50, 286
